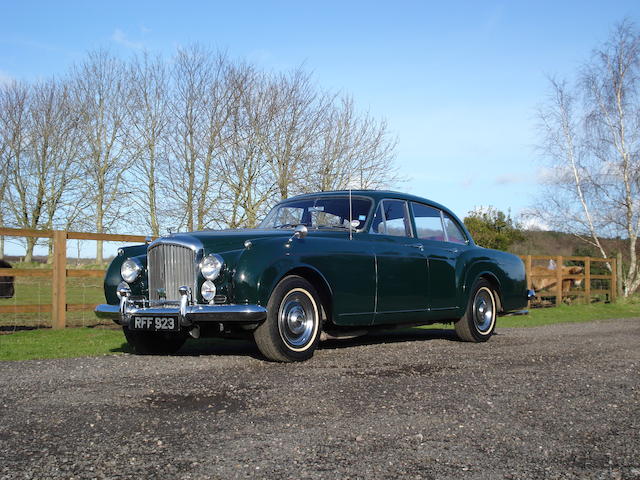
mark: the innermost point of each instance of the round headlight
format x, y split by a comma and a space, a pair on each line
208, 290
210, 266
130, 269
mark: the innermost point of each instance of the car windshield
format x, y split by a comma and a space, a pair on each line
318, 212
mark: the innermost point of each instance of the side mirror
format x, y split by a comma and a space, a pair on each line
300, 231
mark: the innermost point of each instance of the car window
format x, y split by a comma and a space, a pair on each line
428, 222
391, 219
454, 232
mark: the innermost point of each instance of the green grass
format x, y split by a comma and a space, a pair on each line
70, 342
573, 314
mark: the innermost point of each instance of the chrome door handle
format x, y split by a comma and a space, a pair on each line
414, 245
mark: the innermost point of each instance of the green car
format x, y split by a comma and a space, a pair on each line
336, 262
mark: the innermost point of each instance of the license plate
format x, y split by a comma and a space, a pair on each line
155, 324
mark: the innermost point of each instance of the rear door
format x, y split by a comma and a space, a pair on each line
443, 243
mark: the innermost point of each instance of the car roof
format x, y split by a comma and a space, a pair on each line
375, 195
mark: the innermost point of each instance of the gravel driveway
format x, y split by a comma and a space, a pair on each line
549, 402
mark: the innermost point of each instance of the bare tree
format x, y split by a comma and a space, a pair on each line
100, 95
4, 179
199, 109
354, 151
247, 185
40, 139
147, 125
286, 124
594, 149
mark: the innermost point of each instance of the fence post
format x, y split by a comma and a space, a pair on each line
587, 280
559, 263
527, 271
616, 283
59, 280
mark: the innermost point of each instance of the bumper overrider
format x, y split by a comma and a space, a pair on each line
188, 313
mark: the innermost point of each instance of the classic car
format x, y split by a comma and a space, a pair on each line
332, 261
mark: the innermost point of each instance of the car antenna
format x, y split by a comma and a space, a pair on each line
350, 217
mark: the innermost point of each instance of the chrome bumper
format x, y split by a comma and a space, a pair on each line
188, 314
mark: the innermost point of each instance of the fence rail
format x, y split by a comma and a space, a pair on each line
59, 273
561, 278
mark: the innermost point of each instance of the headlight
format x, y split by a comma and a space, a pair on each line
210, 266
130, 269
208, 290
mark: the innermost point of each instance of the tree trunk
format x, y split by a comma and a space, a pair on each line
31, 243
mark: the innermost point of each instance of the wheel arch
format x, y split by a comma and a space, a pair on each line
319, 282
495, 286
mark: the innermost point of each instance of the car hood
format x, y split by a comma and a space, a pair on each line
223, 240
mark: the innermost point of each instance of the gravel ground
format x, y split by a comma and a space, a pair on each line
561, 401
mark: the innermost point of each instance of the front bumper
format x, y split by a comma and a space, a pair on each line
188, 314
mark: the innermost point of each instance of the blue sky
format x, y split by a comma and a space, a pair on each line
458, 82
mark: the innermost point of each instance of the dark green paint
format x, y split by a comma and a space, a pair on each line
371, 279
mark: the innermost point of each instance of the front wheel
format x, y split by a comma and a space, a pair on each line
154, 343
292, 329
479, 320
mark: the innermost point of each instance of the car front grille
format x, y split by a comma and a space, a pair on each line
170, 267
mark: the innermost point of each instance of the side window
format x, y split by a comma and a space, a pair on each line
391, 219
454, 232
396, 218
428, 222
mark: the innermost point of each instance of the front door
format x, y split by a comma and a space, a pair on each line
402, 270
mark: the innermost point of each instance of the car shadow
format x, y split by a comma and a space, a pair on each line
247, 347
392, 336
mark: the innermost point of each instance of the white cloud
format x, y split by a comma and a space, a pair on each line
530, 220
120, 37
510, 179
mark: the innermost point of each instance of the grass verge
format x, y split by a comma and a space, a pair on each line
70, 342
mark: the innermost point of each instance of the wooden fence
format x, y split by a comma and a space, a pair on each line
59, 273
560, 277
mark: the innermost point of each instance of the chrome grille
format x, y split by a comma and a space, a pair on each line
170, 267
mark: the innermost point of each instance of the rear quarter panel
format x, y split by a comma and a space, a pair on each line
505, 269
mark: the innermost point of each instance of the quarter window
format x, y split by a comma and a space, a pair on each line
428, 222
454, 232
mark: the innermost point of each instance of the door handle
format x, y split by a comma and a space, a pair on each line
415, 245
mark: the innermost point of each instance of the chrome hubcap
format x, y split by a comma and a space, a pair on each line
297, 318
483, 310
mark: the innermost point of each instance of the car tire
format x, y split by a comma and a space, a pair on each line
479, 320
154, 343
292, 329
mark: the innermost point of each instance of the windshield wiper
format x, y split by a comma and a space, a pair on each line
288, 225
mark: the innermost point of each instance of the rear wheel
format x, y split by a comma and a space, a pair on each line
292, 328
479, 320
154, 343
